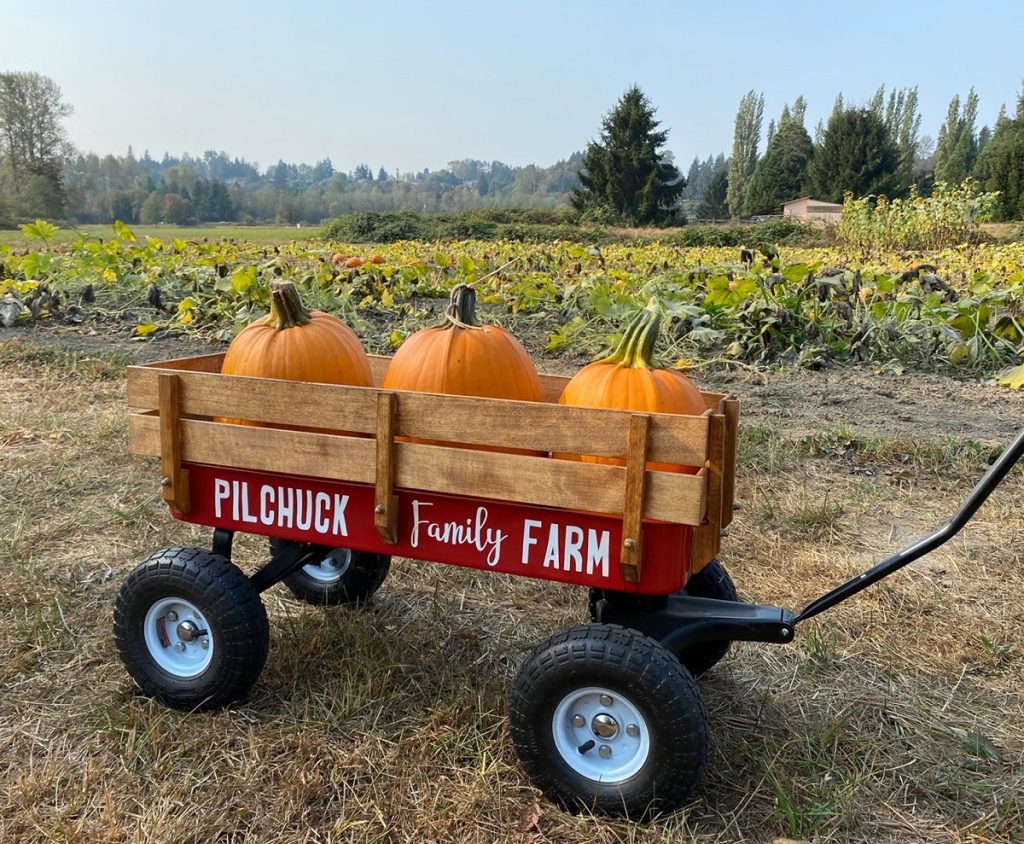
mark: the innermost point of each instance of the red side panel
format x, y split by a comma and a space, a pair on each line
562, 545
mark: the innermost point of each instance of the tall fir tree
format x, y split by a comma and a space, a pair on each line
781, 175
746, 138
957, 148
856, 154
1000, 165
714, 203
625, 174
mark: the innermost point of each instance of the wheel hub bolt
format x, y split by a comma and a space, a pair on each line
205, 644
606, 700
179, 646
605, 751
172, 616
604, 726
632, 731
578, 721
187, 631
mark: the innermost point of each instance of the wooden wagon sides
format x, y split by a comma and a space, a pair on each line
361, 435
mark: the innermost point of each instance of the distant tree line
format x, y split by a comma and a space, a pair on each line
872, 150
625, 176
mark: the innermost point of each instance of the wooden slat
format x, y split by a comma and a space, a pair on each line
533, 426
566, 484
731, 410
633, 506
174, 479
385, 510
201, 363
707, 538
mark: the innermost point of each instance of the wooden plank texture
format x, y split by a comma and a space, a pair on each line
566, 484
708, 537
385, 509
174, 479
633, 504
534, 426
731, 410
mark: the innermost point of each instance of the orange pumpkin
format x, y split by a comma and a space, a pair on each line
464, 358
354, 263
297, 344
376, 259
625, 380
339, 258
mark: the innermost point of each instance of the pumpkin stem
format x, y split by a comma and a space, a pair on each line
461, 310
636, 348
286, 308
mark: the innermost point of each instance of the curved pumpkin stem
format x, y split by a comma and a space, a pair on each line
461, 310
636, 348
286, 308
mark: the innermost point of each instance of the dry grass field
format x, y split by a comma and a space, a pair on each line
896, 717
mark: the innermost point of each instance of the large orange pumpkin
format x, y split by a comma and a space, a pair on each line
297, 344
626, 380
464, 358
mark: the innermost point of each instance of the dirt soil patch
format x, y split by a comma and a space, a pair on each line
893, 718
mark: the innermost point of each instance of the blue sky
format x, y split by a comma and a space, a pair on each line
407, 85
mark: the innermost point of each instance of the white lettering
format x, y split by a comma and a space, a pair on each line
474, 532
340, 526
573, 543
323, 501
246, 515
304, 509
221, 490
597, 552
267, 504
286, 511
551, 555
234, 501
528, 540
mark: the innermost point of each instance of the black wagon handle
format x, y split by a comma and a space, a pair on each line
989, 481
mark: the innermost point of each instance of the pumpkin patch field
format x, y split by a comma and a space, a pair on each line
870, 404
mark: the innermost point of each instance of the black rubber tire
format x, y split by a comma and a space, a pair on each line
364, 576
232, 607
712, 581
642, 671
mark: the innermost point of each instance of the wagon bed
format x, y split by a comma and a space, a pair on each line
333, 465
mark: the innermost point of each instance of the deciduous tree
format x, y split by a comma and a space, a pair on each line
33, 144
743, 161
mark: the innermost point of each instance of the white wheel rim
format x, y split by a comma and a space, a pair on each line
601, 734
331, 568
178, 637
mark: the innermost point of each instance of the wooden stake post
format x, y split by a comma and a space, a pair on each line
385, 510
174, 478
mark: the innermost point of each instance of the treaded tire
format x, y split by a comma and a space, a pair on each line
712, 581
230, 605
355, 585
646, 675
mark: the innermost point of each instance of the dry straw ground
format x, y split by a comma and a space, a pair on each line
896, 717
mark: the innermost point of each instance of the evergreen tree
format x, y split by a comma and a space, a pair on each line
715, 204
1000, 165
625, 175
957, 148
856, 154
782, 174
746, 137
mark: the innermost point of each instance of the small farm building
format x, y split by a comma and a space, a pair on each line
813, 210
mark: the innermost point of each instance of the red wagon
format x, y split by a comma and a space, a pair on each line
604, 715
